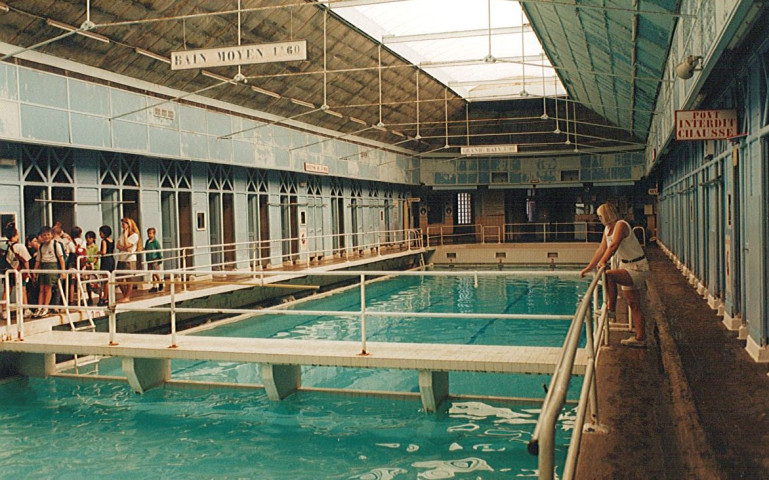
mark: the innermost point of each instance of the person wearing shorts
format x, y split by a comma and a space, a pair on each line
629, 269
128, 243
50, 256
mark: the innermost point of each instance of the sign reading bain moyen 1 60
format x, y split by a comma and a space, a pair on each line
705, 124
239, 55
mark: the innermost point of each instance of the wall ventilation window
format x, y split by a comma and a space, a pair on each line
464, 209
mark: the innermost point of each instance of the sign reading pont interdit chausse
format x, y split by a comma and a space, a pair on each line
705, 124
239, 55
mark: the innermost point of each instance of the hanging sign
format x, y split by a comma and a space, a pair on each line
239, 55
705, 124
489, 150
315, 168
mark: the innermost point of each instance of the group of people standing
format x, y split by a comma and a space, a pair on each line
53, 249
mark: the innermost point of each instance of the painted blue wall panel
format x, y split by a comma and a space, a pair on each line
218, 124
42, 88
243, 153
620, 172
45, 124
129, 135
264, 156
192, 119
220, 150
10, 124
194, 146
164, 141
88, 213
88, 98
90, 130
282, 158
125, 102
86, 167
8, 82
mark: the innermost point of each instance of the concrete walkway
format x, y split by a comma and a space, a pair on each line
691, 405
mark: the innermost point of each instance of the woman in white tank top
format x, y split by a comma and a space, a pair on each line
629, 268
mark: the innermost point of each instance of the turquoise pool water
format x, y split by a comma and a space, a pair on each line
62, 428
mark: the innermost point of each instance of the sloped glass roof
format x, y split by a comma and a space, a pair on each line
481, 49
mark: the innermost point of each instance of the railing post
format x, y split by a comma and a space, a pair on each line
19, 307
590, 349
363, 314
605, 323
184, 267
475, 279
111, 307
173, 310
7, 303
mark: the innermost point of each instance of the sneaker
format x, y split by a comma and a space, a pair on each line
42, 312
153, 290
633, 342
160, 287
27, 313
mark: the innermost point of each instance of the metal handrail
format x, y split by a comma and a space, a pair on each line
543, 232
113, 308
542, 441
411, 237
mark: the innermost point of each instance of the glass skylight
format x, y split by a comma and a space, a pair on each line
481, 49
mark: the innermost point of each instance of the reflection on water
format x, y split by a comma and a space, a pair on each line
65, 429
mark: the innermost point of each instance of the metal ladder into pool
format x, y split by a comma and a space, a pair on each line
82, 325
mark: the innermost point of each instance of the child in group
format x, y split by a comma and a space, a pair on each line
91, 263
33, 292
18, 258
63, 241
50, 256
106, 259
76, 260
154, 259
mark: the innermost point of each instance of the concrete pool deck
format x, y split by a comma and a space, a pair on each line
691, 405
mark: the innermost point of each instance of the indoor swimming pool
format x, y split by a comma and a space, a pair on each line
69, 428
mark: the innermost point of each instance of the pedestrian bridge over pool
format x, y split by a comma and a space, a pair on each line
146, 358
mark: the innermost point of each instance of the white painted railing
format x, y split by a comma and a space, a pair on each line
453, 234
176, 279
542, 232
227, 256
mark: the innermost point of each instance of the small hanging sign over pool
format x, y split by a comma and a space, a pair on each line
489, 150
239, 55
705, 124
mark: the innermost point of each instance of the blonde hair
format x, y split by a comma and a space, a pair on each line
133, 228
608, 212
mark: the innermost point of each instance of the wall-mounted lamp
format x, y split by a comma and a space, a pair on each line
686, 69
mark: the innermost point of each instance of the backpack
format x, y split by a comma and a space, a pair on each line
5, 263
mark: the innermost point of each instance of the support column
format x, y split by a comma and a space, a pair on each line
434, 388
281, 381
146, 373
36, 364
